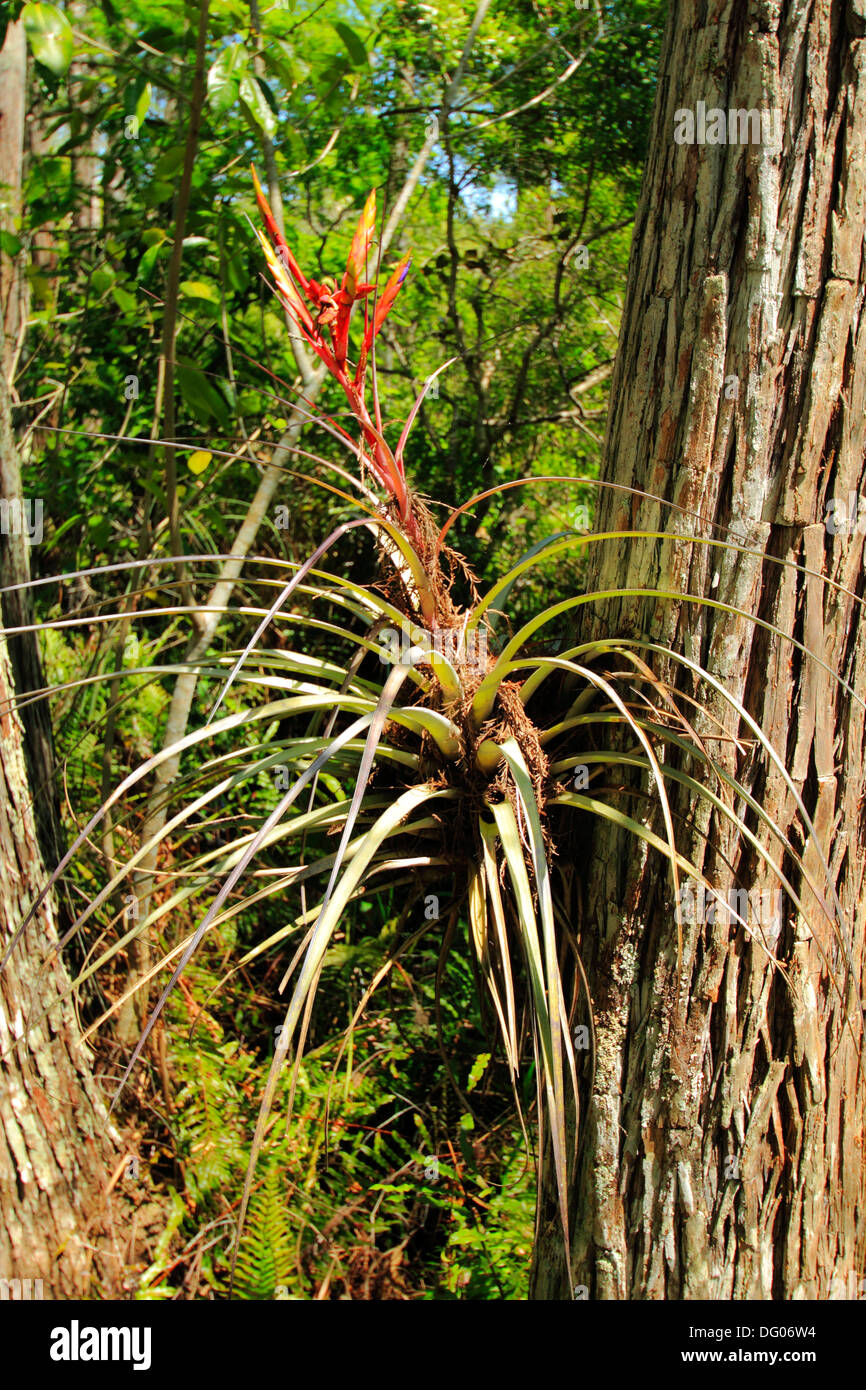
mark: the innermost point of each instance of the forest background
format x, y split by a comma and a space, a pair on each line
506, 141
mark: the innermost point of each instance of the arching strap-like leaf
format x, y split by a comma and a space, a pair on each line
326, 922
275, 815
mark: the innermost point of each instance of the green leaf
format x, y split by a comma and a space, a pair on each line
223, 80
551, 1018
99, 528
148, 261
201, 395
137, 98
257, 105
157, 192
238, 272
125, 301
282, 61
466, 1235
49, 34
170, 162
142, 106
67, 525
102, 279
9, 244
199, 289
354, 46
268, 95
479, 1066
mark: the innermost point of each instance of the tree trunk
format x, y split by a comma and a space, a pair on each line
20, 512
721, 1150
55, 1144
56, 1148
13, 104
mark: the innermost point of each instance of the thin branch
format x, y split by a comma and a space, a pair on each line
164, 405
427, 148
539, 96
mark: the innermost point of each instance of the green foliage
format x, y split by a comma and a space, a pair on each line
49, 35
494, 214
521, 175
392, 1157
266, 1256
213, 1109
360, 1191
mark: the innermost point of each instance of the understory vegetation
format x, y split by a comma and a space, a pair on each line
329, 733
404, 1171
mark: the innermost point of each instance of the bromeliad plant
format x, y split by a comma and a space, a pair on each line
478, 756
463, 757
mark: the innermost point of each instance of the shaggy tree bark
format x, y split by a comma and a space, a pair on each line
56, 1147
14, 551
721, 1151
55, 1143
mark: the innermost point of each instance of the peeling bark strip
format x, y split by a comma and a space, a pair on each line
55, 1140
721, 1154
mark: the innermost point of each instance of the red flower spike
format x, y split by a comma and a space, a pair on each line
343, 315
331, 308
278, 239
324, 352
386, 299
360, 248
286, 287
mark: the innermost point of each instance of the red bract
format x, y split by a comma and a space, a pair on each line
317, 309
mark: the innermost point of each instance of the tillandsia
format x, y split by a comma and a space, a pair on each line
466, 760
504, 741
478, 746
